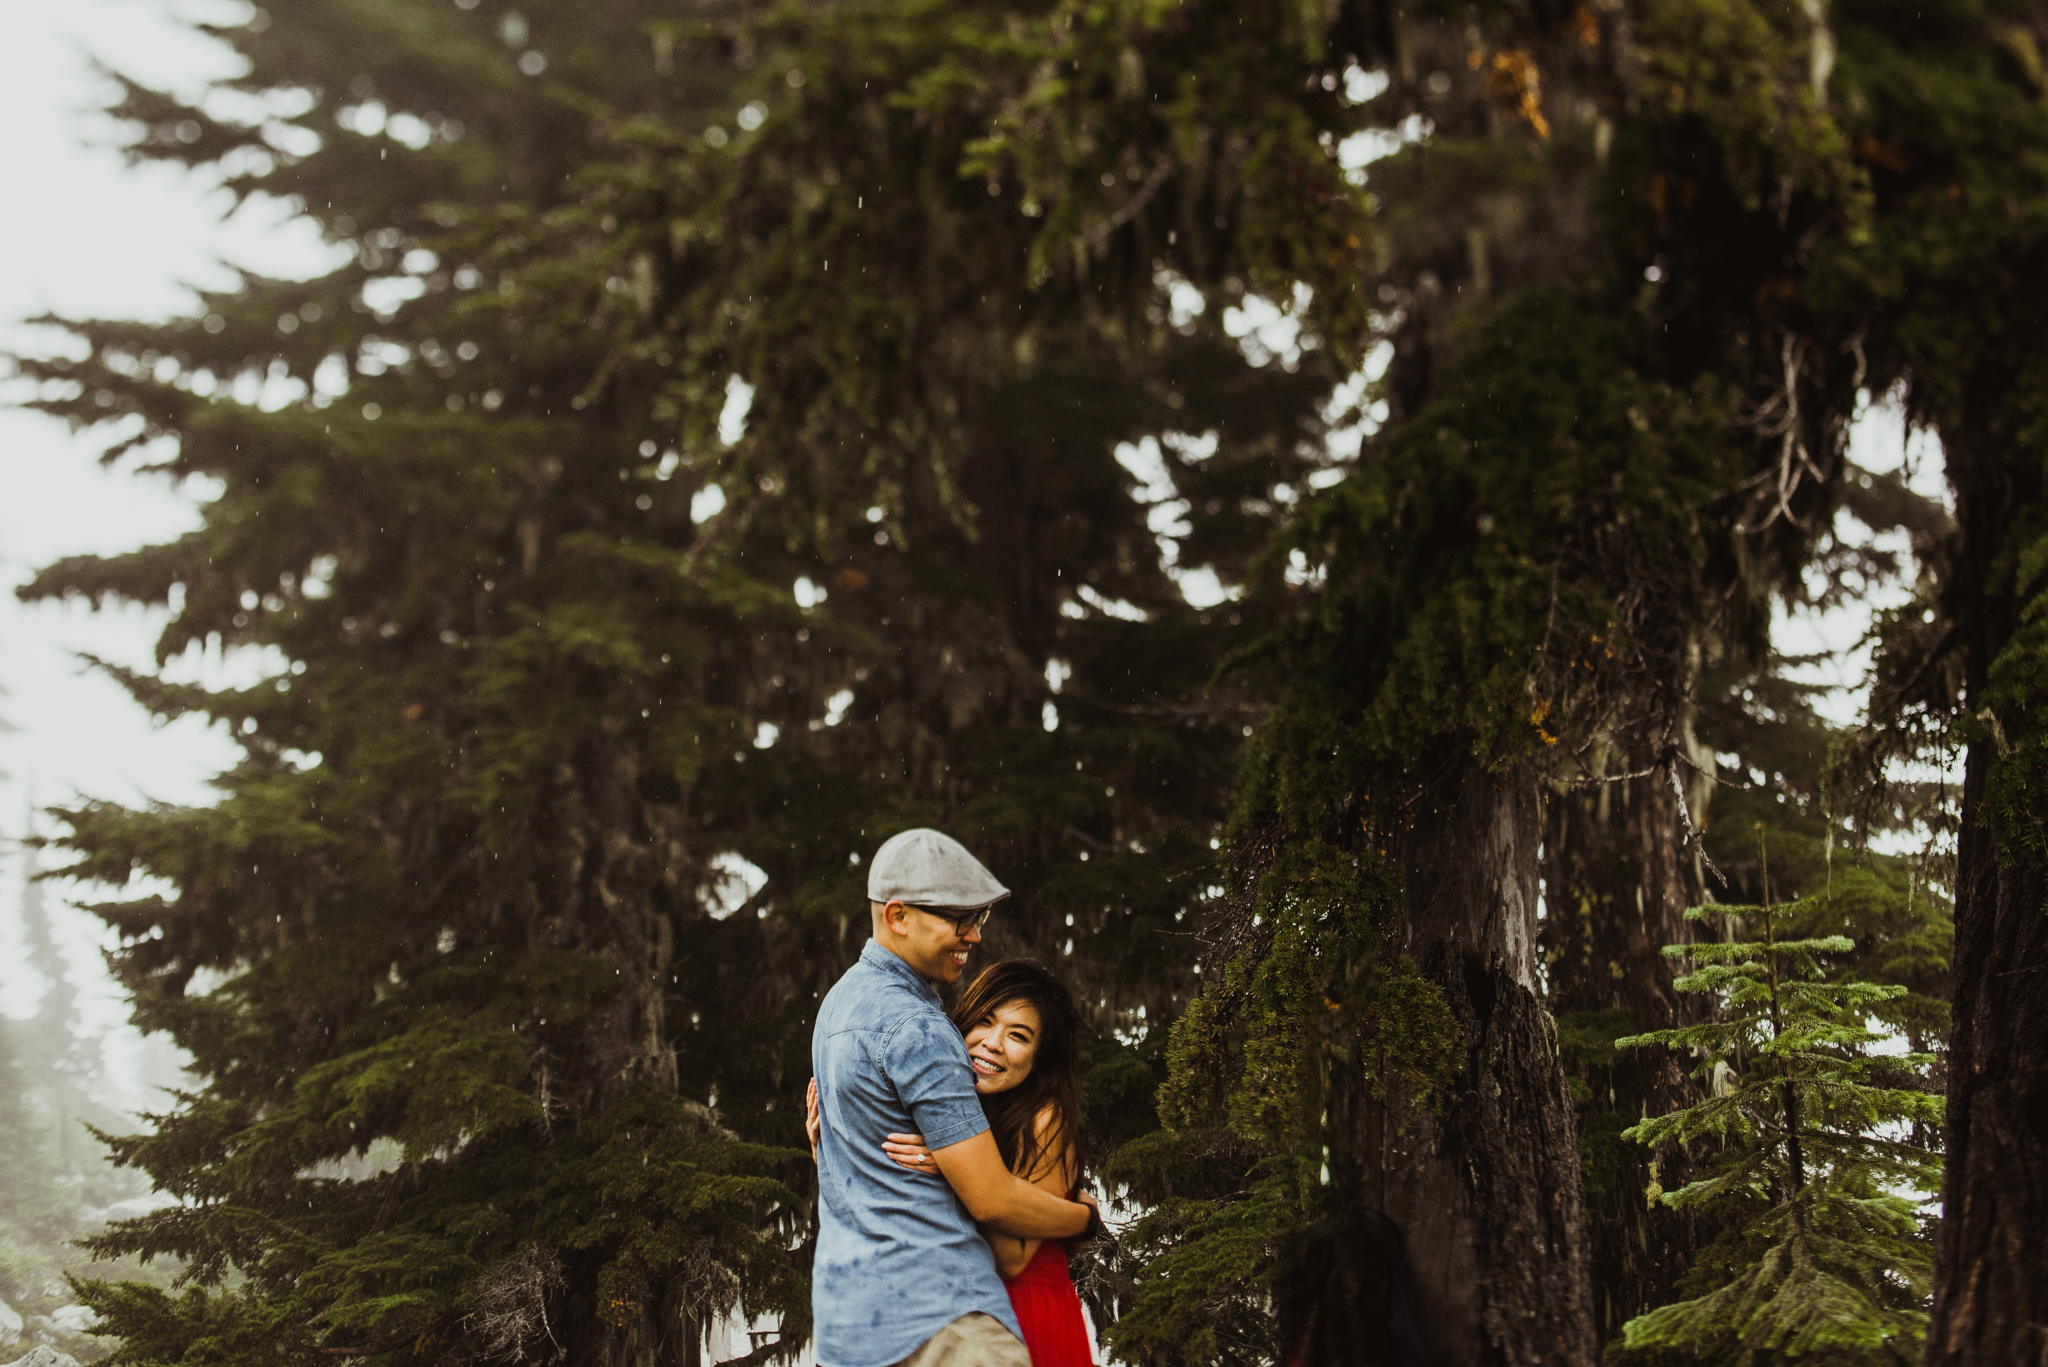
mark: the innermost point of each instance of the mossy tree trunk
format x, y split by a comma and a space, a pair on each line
1991, 1297
1618, 878
1485, 1184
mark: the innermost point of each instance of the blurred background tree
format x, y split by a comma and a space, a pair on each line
54, 1115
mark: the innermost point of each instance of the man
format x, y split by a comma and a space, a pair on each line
902, 1275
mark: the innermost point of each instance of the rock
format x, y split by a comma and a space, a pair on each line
10, 1325
42, 1355
76, 1319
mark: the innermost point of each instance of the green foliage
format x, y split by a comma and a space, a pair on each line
1313, 1010
1893, 908
1773, 752
36, 1213
1317, 993
651, 1189
1485, 567
57, 1184
1758, 75
1839, 1277
1493, 578
1210, 1266
1946, 108
539, 697
463, 905
1561, 513
1818, 1260
1586, 1051
944, 200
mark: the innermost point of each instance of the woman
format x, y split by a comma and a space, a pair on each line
1023, 1041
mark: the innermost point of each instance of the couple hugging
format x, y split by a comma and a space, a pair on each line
948, 1147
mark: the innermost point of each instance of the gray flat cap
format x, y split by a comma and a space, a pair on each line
927, 868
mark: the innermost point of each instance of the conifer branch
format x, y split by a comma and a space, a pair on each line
390, 1345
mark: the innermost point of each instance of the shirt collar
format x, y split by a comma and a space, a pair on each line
874, 955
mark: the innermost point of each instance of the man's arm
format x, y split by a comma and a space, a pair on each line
1000, 1199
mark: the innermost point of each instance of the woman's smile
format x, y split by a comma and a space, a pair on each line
1002, 1046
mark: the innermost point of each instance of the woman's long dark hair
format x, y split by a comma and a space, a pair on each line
1055, 1079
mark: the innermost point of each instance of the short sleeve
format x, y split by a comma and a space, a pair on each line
927, 1064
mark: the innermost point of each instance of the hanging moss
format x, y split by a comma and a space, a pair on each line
1502, 571
1316, 989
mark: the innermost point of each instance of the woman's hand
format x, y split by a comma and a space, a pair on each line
812, 1124
909, 1150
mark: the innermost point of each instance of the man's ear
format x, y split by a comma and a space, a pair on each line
893, 917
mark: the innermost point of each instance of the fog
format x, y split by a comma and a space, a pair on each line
87, 235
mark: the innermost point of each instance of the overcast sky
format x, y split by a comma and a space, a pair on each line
83, 234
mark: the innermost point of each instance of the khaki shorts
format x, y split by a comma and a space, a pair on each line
973, 1340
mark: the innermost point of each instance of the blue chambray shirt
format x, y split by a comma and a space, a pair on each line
898, 1255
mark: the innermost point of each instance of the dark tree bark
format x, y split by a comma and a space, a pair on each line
1485, 1186
1991, 1261
1991, 1268
1618, 880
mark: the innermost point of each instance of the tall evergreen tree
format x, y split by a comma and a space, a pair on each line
443, 894
35, 1214
66, 1068
472, 887
53, 1092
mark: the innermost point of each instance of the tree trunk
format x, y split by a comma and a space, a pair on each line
609, 882
1485, 1185
1991, 1258
1617, 882
1991, 1261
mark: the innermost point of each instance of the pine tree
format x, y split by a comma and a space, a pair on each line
53, 1095
66, 1068
466, 892
1896, 910
1819, 1258
437, 900
1477, 601
1771, 767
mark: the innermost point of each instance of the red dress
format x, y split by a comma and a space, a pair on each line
1049, 1310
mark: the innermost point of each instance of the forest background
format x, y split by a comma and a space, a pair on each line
1397, 394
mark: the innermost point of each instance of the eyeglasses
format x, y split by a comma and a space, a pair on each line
965, 923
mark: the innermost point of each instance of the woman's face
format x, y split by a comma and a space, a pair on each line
1002, 1047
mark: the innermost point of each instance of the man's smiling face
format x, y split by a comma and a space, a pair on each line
935, 946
